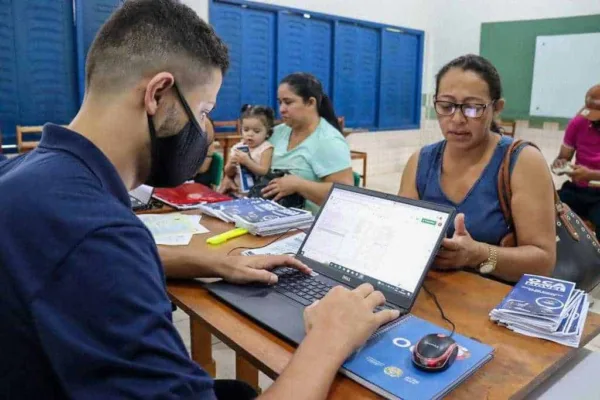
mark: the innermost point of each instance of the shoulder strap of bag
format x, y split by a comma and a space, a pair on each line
505, 192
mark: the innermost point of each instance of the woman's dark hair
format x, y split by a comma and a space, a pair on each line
306, 86
482, 67
264, 113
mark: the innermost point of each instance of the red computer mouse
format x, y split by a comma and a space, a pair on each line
434, 352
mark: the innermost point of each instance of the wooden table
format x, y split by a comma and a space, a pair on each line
520, 364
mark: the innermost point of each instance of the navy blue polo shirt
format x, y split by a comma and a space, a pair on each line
84, 311
2, 157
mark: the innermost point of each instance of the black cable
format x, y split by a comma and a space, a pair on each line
268, 244
440, 309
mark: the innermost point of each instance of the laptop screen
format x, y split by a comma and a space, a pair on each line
381, 240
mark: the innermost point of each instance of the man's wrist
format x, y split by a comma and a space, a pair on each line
224, 267
320, 342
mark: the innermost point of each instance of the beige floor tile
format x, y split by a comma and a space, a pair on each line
264, 381
225, 359
179, 315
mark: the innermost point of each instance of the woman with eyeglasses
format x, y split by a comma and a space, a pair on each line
462, 171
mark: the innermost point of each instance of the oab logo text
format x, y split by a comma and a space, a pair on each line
542, 284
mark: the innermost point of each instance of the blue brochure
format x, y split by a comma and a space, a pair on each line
540, 297
246, 176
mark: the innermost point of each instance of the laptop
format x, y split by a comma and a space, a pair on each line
140, 197
358, 236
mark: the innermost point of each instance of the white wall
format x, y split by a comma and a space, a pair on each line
200, 6
407, 13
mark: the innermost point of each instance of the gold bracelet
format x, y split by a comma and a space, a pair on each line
489, 265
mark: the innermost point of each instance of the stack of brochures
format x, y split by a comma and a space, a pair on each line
546, 308
260, 217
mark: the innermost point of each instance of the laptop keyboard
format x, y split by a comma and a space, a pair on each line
304, 289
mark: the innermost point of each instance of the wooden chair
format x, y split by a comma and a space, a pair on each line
227, 124
508, 127
24, 145
361, 155
227, 139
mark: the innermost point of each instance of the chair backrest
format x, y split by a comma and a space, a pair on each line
356, 176
227, 124
216, 169
508, 127
23, 132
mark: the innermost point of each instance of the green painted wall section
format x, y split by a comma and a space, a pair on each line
510, 46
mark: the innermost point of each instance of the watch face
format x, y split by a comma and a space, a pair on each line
486, 268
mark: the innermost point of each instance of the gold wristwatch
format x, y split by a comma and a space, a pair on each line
489, 265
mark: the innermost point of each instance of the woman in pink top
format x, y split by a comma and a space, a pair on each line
582, 140
256, 126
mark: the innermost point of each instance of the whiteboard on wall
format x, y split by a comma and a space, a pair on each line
565, 67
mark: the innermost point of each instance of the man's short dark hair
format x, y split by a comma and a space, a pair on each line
144, 37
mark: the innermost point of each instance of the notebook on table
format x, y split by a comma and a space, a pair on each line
188, 196
384, 363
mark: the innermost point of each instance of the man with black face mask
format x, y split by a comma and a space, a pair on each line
83, 303
582, 140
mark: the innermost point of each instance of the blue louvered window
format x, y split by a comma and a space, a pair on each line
250, 37
357, 54
304, 45
371, 71
37, 69
400, 80
9, 93
89, 17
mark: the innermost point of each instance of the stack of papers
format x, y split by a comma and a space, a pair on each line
546, 308
289, 245
173, 229
259, 216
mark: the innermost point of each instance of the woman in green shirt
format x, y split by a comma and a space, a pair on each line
309, 143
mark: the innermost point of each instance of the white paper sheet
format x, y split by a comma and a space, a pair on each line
173, 229
288, 245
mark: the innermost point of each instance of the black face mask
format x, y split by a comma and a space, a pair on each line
176, 158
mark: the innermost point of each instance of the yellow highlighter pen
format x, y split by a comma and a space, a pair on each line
225, 236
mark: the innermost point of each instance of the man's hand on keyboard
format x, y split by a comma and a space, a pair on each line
345, 318
247, 269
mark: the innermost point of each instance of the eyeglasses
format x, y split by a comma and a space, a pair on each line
469, 110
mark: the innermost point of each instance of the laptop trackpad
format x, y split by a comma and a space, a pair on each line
273, 310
